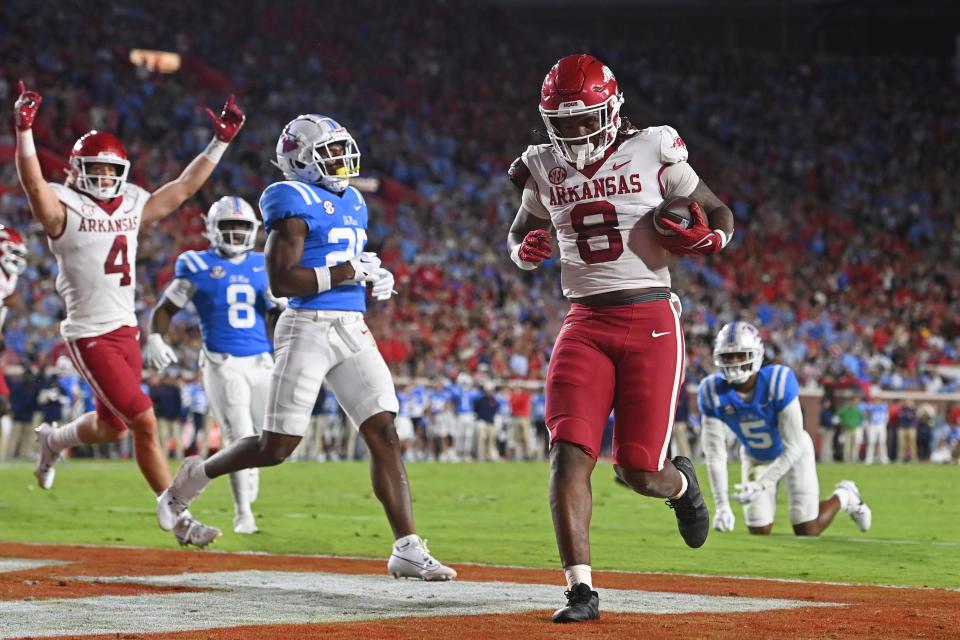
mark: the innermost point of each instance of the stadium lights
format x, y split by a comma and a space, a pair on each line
152, 60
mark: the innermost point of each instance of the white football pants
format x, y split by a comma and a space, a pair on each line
803, 489
237, 389
334, 346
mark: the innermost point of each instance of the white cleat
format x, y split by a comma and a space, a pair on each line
189, 531
413, 560
46, 465
859, 512
187, 485
245, 524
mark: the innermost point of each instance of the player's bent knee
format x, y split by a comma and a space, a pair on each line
807, 529
275, 448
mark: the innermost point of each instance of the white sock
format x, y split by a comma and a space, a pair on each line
844, 497
406, 541
578, 574
683, 487
65, 437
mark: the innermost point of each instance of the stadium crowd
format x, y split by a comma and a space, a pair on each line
847, 250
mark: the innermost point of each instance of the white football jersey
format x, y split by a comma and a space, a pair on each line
96, 255
602, 213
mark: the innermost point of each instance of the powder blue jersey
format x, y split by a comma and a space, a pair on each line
463, 397
754, 421
231, 299
876, 413
336, 232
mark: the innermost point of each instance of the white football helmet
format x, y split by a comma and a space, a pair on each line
738, 338
303, 152
235, 239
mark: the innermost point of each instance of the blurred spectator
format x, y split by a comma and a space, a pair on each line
828, 430
907, 432
521, 427
485, 408
851, 424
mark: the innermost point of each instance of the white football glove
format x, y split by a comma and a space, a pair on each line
747, 492
157, 353
723, 518
365, 268
383, 287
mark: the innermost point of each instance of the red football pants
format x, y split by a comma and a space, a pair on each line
628, 358
113, 367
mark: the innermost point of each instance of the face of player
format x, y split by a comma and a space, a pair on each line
333, 150
579, 126
238, 239
103, 169
738, 358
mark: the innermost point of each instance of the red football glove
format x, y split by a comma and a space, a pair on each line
228, 124
26, 107
698, 239
536, 246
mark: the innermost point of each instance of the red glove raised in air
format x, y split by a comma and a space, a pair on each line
227, 125
698, 239
26, 107
536, 246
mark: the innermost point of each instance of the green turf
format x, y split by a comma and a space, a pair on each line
498, 514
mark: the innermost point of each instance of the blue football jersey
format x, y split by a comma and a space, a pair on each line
877, 413
439, 399
754, 421
336, 232
231, 299
463, 397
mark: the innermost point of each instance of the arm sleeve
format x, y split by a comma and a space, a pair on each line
715, 450
790, 423
180, 291
530, 200
678, 180
286, 200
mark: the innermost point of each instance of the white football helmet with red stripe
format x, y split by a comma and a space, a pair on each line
232, 226
738, 351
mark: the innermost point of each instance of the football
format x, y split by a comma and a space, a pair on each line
676, 210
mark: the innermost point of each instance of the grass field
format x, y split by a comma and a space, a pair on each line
498, 514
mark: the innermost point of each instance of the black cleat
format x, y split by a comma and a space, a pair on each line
693, 518
582, 604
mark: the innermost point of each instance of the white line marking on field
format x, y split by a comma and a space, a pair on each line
9, 565
276, 597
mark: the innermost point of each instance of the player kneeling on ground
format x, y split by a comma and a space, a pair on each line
761, 405
317, 229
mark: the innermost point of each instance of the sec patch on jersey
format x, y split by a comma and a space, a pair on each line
676, 210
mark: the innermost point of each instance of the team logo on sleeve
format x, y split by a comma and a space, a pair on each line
557, 175
217, 272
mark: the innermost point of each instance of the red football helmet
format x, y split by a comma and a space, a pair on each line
13, 252
580, 85
99, 147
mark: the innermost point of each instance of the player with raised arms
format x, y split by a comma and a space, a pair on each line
761, 406
621, 347
92, 223
228, 286
317, 229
